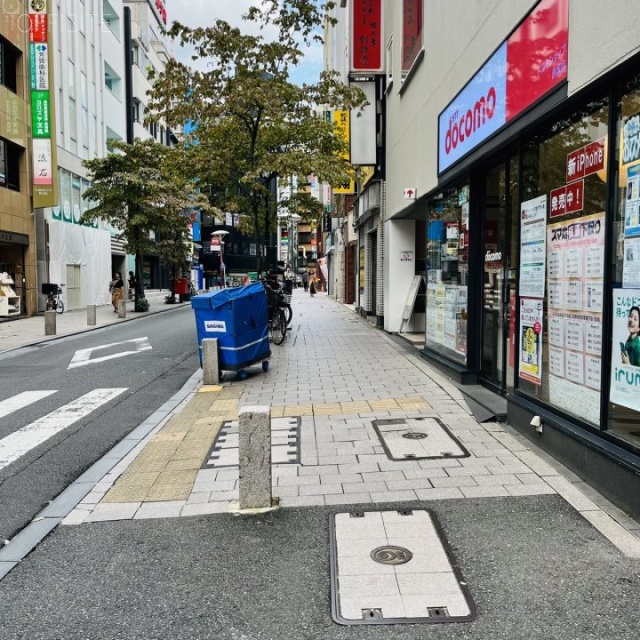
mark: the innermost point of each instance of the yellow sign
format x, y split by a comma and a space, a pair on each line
342, 124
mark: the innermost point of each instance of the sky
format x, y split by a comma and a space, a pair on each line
203, 13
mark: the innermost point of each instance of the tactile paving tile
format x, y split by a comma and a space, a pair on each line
418, 439
285, 444
390, 567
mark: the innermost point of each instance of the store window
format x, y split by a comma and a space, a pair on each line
448, 273
9, 62
624, 405
562, 236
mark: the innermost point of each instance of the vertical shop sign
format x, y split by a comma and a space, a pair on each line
533, 247
531, 340
411, 32
342, 122
575, 272
625, 353
44, 188
366, 35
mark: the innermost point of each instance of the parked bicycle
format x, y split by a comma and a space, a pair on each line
277, 303
54, 301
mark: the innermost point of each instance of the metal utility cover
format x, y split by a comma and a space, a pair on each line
285, 444
418, 439
392, 567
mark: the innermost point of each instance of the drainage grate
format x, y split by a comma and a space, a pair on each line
392, 567
285, 444
418, 439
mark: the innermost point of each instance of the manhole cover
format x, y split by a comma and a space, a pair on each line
414, 435
394, 584
391, 555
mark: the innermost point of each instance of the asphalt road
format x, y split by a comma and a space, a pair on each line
148, 376
535, 569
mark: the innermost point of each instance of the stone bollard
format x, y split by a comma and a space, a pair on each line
49, 323
254, 442
210, 362
91, 314
122, 308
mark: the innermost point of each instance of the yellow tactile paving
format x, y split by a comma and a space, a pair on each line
327, 408
389, 404
355, 407
412, 403
298, 410
210, 388
277, 412
224, 406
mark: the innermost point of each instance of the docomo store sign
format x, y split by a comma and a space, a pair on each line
531, 62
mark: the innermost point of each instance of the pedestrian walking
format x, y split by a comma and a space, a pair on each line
312, 284
305, 281
115, 289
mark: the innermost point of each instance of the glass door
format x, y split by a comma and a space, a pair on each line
499, 271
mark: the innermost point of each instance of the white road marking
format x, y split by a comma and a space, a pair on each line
22, 400
20, 442
83, 356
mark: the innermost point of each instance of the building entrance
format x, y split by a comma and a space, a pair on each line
500, 241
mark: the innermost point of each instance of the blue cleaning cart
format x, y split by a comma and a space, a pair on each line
238, 318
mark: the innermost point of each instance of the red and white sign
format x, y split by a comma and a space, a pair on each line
585, 161
38, 27
366, 35
568, 199
410, 193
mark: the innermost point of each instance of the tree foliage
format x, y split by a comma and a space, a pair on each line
251, 124
141, 189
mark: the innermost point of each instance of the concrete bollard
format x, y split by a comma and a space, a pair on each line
254, 442
91, 314
49, 323
210, 362
122, 308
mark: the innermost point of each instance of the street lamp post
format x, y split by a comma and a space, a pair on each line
223, 270
294, 219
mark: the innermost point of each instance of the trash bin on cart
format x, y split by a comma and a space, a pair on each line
238, 318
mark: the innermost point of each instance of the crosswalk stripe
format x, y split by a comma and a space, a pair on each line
22, 400
20, 442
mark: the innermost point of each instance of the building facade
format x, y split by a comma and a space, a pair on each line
512, 152
17, 230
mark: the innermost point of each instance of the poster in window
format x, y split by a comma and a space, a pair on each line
531, 340
625, 353
533, 247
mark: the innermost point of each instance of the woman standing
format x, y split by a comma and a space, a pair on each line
115, 288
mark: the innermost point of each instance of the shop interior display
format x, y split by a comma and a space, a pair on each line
9, 301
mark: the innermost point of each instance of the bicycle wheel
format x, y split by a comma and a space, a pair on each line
288, 314
60, 306
279, 327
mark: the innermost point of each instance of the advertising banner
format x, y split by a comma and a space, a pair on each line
342, 123
529, 64
411, 32
625, 354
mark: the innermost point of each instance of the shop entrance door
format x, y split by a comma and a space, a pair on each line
500, 222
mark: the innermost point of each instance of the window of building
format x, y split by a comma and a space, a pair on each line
624, 404
560, 350
411, 33
9, 61
448, 272
111, 18
112, 81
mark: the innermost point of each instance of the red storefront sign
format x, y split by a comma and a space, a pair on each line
585, 161
567, 199
537, 55
366, 49
38, 27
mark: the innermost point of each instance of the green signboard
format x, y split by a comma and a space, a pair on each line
40, 114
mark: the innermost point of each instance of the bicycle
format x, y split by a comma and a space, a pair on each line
55, 302
277, 321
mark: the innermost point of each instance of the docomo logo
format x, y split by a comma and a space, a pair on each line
471, 121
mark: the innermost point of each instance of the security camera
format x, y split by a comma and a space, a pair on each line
536, 422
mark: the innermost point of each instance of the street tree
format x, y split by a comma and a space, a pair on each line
140, 189
250, 124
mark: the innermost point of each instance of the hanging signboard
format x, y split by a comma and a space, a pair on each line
366, 35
